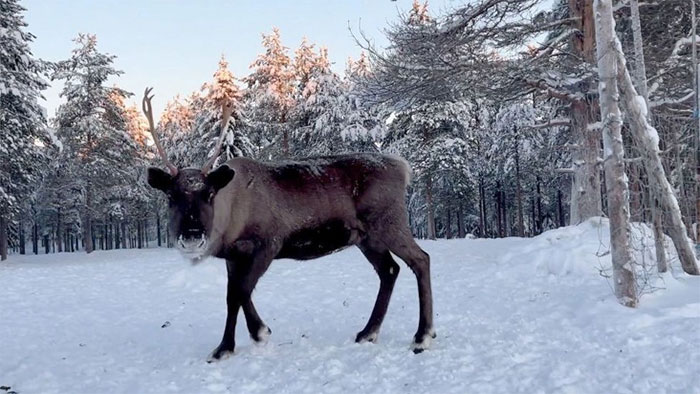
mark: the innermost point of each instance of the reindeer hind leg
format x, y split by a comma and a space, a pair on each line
388, 271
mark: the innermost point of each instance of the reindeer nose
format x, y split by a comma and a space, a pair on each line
192, 242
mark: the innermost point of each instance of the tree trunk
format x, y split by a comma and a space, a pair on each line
431, 208
696, 69
117, 236
519, 194
585, 186
499, 210
647, 139
124, 235
145, 232
158, 228
448, 225
659, 243
482, 208
35, 238
59, 232
460, 223
285, 135
87, 224
504, 214
22, 249
538, 223
560, 209
3, 238
616, 182
533, 220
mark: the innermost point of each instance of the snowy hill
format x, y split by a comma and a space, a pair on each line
512, 315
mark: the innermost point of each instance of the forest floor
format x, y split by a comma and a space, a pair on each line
512, 316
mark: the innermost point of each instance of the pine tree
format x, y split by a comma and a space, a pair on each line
435, 139
305, 62
271, 94
21, 118
175, 129
91, 126
207, 128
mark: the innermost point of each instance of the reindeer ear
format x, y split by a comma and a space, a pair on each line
159, 179
220, 177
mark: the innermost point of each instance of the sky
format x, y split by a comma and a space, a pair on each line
175, 46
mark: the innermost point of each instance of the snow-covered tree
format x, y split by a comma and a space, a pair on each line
271, 94
615, 178
325, 117
175, 128
223, 90
22, 122
515, 136
91, 126
435, 139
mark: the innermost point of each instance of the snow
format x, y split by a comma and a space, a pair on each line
512, 316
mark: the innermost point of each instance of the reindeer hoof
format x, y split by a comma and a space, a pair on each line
421, 342
363, 336
262, 335
219, 354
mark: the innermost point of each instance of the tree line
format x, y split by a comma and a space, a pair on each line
495, 105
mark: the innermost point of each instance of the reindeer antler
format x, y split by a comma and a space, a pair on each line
226, 109
148, 111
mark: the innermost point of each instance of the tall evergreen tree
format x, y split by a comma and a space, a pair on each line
91, 126
221, 91
271, 94
22, 121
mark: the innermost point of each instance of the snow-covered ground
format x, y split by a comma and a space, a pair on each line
512, 316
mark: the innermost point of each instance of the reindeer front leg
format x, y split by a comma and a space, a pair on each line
233, 302
243, 275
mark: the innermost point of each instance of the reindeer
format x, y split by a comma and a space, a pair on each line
251, 213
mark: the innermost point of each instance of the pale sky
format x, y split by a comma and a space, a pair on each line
174, 46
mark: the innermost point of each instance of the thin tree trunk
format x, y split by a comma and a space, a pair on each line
538, 227
59, 232
623, 274
285, 136
460, 222
35, 238
117, 236
519, 194
22, 249
3, 238
499, 210
659, 243
158, 227
87, 225
560, 209
448, 225
504, 214
482, 208
124, 235
431, 208
533, 220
